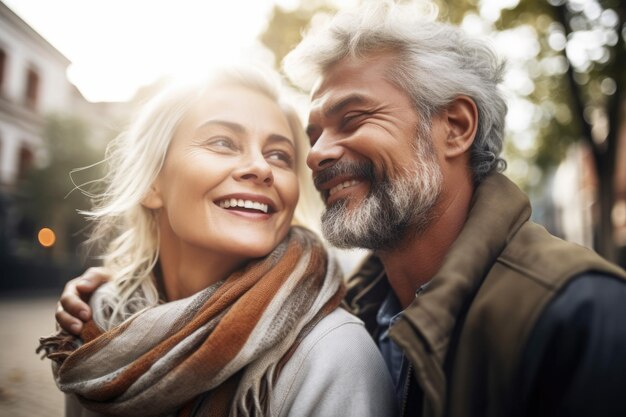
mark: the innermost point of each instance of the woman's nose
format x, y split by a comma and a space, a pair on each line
254, 167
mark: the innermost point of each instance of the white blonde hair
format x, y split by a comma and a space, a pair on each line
433, 62
125, 230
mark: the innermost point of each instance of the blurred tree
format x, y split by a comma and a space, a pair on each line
575, 81
49, 197
579, 88
285, 27
596, 85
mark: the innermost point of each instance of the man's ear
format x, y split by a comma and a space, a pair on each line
461, 118
153, 199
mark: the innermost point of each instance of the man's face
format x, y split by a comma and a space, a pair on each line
375, 167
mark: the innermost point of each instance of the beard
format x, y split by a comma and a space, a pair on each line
392, 208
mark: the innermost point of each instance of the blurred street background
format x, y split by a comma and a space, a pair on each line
26, 385
72, 73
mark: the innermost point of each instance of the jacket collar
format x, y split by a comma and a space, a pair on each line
498, 209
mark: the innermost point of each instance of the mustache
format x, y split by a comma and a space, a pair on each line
356, 169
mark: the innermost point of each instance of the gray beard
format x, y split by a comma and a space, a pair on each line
391, 209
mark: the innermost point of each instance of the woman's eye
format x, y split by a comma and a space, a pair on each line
281, 157
221, 142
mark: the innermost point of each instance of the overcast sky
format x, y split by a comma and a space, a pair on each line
118, 45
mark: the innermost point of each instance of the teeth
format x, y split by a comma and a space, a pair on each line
341, 186
249, 204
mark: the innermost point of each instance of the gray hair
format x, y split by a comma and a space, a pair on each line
434, 62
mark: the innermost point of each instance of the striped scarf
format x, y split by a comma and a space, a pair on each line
216, 353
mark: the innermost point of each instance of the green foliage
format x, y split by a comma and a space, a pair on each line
285, 27
575, 95
454, 11
47, 196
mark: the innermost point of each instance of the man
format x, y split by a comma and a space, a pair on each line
477, 311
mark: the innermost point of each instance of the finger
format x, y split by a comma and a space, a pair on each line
72, 304
68, 323
90, 280
79, 290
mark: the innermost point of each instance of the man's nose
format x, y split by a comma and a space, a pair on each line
324, 153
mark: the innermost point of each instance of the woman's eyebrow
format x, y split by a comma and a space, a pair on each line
241, 129
236, 127
276, 138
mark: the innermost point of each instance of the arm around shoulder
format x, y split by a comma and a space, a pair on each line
336, 371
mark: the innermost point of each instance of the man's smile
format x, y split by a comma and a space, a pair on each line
342, 185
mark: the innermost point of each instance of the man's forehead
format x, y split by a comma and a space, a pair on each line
324, 94
351, 74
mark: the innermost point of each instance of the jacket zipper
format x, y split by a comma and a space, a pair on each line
407, 382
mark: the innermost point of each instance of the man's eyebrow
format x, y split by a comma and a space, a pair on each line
345, 102
338, 107
241, 129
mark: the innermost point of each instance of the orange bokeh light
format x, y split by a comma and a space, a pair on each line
46, 237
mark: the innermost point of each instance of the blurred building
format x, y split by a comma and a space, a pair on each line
33, 87
33, 83
574, 190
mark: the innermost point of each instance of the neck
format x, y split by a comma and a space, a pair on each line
418, 257
188, 269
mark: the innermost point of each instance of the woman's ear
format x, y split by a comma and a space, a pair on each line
461, 117
153, 199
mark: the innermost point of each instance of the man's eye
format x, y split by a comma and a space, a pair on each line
351, 119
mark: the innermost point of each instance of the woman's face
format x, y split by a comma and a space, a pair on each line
228, 184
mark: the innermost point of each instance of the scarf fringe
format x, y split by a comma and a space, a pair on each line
57, 347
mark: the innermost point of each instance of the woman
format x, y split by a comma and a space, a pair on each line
219, 305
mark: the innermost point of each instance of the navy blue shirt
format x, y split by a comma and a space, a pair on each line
394, 357
390, 310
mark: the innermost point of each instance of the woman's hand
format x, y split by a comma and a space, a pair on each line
73, 309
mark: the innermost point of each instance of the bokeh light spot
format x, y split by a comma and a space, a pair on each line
46, 237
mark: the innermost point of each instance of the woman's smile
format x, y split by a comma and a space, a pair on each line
248, 205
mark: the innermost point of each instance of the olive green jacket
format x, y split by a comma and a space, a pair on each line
465, 335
